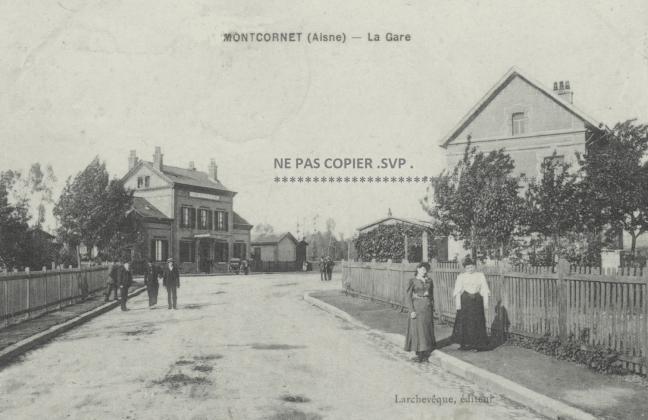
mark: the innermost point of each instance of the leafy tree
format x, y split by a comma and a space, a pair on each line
32, 190
263, 229
22, 245
13, 225
92, 208
477, 201
553, 203
615, 180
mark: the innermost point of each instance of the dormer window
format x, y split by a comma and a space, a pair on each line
143, 181
519, 123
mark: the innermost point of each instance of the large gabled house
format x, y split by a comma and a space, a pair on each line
530, 121
186, 214
526, 118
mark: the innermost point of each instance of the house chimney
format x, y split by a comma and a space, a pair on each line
213, 170
158, 158
132, 160
192, 166
563, 90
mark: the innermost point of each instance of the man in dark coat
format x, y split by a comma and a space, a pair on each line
329, 268
151, 281
113, 280
322, 267
171, 280
125, 281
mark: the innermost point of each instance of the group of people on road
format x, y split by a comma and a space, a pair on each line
471, 294
326, 268
120, 278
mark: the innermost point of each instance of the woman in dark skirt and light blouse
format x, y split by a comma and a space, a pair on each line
471, 294
420, 327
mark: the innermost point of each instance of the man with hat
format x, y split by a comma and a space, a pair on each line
171, 280
112, 283
125, 281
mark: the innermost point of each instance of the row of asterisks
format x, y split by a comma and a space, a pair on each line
351, 179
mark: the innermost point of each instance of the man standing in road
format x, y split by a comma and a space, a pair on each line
125, 281
113, 280
322, 267
171, 280
329, 268
151, 281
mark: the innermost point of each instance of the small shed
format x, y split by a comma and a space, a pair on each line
281, 247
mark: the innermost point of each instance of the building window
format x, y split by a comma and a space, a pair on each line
519, 123
159, 249
187, 217
203, 219
187, 253
140, 181
221, 249
184, 217
147, 181
221, 220
239, 250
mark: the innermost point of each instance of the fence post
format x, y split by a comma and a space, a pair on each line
46, 281
644, 325
28, 292
435, 290
563, 298
6, 302
59, 287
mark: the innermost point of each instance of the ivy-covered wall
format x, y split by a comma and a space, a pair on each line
388, 242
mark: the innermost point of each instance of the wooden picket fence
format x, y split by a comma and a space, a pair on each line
24, 295
607, 308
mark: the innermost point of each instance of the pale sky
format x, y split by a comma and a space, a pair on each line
85, 77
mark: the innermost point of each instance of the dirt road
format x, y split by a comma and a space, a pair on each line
238, 347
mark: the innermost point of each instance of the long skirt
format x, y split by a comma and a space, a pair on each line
152, 291
420, 330
470, 324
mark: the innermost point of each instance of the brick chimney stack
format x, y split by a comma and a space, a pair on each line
132, 160
158, 158
213, 170
192, 165
563, 90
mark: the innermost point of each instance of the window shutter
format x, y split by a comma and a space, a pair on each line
153, 249
225, 218
210, 220
192, 216
165, 250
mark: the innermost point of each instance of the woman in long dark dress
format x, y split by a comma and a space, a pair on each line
471, 294
420, 327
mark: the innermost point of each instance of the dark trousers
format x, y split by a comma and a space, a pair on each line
152, 294
329, 273
109, 288
172, 296
323, 275
124, 297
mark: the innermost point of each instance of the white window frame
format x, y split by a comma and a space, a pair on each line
519, 125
